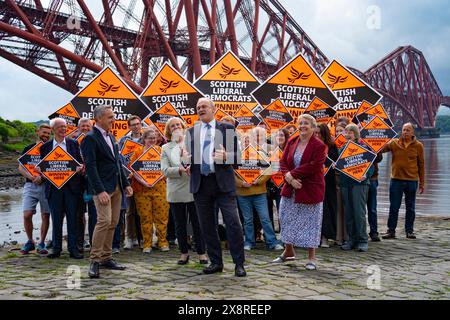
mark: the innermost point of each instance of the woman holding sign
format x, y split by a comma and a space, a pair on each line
303, 192
174, 165
355, 195
151, 201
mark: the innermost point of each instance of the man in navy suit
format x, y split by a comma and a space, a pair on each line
212, 182
64, 201
107, 181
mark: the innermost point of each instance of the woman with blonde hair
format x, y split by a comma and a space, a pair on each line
151, 202
303, 192
355, 195
174, 165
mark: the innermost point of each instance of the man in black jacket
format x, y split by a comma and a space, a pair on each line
64, 201
107, 181
212, 182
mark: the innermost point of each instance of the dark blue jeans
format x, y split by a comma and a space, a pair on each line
396, 190
372, 207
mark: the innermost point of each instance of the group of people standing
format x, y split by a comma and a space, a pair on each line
200, 182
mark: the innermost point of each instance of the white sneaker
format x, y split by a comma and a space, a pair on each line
135, 242
115, 250
165, 249
324, 243
247, 247
278, 247
128, 244
311, 265
147, 250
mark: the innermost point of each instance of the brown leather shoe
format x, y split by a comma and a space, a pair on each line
389, 235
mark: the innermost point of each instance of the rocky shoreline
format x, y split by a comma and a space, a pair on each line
10, 177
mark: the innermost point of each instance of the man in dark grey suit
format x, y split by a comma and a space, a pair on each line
107, 182
214, 150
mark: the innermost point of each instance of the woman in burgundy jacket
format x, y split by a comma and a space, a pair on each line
303, 192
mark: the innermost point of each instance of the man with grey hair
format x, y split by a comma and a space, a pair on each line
84, 126
212, 182
64, 201
407, 175
106, 181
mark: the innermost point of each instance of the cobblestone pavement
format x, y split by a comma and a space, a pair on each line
409, 269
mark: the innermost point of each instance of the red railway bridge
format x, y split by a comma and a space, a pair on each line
66, 44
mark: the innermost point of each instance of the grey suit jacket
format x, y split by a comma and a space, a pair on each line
177, 186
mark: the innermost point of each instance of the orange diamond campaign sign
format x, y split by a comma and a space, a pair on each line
107, 88
128, 148
340, 141
220, 114
253, 165
246, 119
229, 83
322, 112
160, 117
58, 167
355, 160
148, 166
295, 84
169, 86
276, 115
69, 114
80, 138
31, 158
327, 165
362, 108
376, 134
350, 89
375, 111
277, 176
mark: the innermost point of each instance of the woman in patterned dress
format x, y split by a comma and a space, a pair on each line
303, 192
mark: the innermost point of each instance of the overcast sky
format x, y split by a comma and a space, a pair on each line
345, 30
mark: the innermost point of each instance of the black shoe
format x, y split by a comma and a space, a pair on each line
239, 271
213, 268
389, 235
374, 237
410, 235
183, 262
76, 255
203, 261
94, 270
54, 254
111, 264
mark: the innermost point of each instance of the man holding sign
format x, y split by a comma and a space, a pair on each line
34, 191
64, 199
212, 181
107, 181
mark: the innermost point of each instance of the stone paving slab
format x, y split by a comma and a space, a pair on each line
409, 269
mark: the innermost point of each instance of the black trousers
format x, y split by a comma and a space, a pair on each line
205, 199
64, 203
181, 212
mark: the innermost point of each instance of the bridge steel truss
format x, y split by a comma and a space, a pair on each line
67, 42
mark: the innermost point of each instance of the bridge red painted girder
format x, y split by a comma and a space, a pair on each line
67, 42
